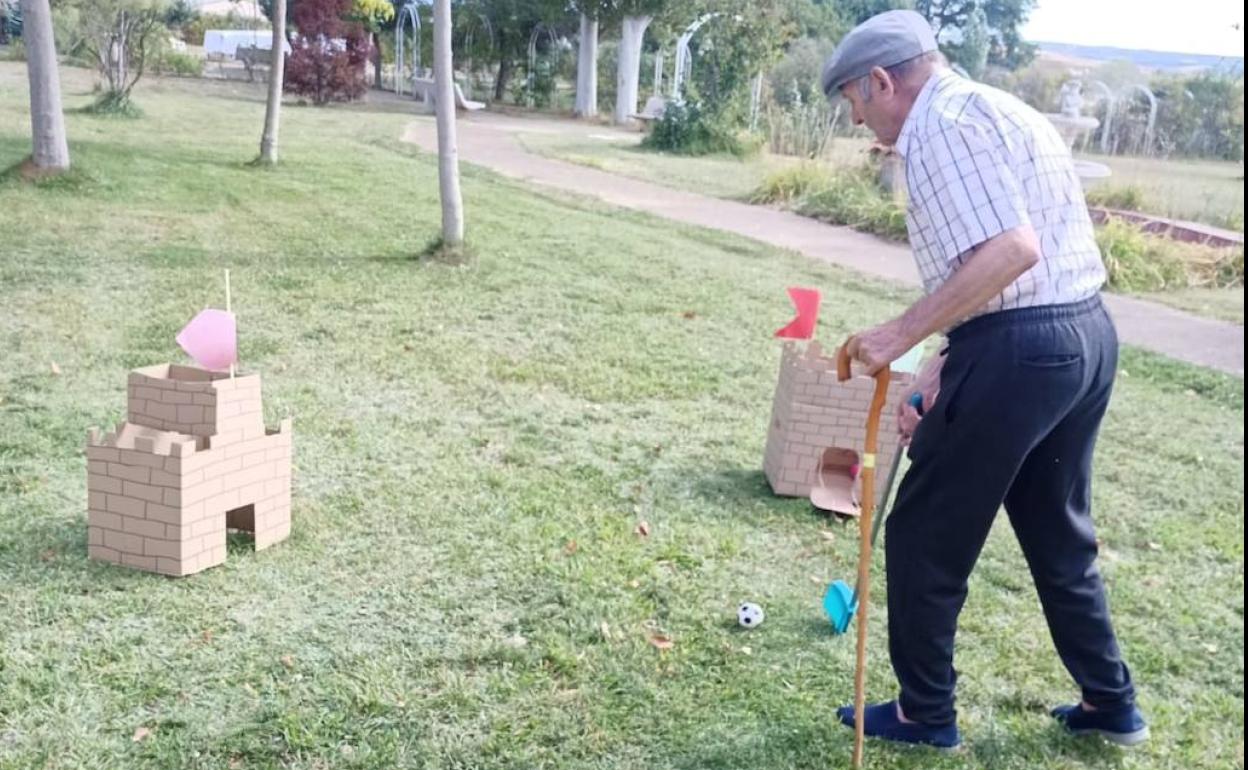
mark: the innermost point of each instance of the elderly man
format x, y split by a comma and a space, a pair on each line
1012, 405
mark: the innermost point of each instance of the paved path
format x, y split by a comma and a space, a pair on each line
490, 140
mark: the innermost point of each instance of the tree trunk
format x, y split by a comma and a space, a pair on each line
377, 60
277, 73
50, 153
629, 71
448, 153
587, 69
500, 82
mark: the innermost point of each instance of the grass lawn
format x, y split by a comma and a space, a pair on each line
720, 176
475, 447
1198, 190
1224, 304
1183, 183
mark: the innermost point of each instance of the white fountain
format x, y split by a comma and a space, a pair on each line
1072, 124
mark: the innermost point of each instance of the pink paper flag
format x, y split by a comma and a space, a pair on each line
211, 339
807, 303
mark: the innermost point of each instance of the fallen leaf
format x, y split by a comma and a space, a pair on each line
141, 734
643, 529
570, 547
634, 584
1212, 649
689, 315
827, 534
288, 661
206, 636
409, 347
516, 641
661, 642
48, 555
235, 763
746, 651
56, 369
1154, 546
605, 630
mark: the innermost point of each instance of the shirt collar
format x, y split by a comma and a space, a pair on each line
935, 83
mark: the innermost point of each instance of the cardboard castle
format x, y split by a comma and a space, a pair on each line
192, 460
819, 426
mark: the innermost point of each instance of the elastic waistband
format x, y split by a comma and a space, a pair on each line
1028, 315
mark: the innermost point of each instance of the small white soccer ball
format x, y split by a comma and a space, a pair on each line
750, 615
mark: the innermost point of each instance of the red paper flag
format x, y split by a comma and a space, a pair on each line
807, 303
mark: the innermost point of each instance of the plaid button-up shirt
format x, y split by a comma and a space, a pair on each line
979, 162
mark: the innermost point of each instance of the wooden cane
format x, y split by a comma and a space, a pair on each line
843, 373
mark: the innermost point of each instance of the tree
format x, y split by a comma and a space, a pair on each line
328, 55
855, 12
266, 7
50, 152
591, 12
635, 17
951, 18
277, 69
118, 35
448, 152
972, 52
374, 15
513, 23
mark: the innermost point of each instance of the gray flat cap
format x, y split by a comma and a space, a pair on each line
883, 40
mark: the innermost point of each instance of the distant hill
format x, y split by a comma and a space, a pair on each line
1153, 60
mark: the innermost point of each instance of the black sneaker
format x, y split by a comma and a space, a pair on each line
1125, 726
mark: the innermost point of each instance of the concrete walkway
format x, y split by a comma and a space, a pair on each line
490, 140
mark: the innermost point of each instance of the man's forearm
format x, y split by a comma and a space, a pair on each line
992, 267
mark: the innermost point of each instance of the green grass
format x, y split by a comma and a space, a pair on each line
458, 427
854, 201
1223, 304
1205, 191
719, 176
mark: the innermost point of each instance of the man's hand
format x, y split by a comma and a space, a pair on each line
879, 347
927, 385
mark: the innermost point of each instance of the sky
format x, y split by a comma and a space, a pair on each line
1190, 26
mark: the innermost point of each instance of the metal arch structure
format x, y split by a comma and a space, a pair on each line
553, 40
409, 19
1110, 103
1152, 116
684, 60
470, 30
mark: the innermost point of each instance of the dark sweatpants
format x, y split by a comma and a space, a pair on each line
1021, 399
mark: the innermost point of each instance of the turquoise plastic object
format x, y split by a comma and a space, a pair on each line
840, 602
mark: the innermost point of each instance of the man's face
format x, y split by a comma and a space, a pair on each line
876, 104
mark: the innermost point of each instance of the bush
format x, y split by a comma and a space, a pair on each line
793, 183
1125, 198
851, 197
1137, 261
800, 129
685, 130
180, 64
318, 66
17, 50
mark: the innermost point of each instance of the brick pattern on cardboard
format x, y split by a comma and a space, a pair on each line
812, 411
194, 449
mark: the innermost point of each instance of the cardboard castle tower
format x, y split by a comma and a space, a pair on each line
818, 421
192, 459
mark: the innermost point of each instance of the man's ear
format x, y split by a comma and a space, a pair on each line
882, 82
